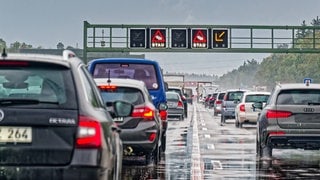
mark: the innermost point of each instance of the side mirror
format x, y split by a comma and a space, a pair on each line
122, 109
163, 106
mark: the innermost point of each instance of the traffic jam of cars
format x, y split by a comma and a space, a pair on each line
83, 121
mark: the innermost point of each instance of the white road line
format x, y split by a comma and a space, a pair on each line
196, 171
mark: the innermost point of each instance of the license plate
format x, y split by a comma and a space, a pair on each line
15, 134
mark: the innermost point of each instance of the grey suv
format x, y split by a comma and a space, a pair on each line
230, 100
53, 122
290, 119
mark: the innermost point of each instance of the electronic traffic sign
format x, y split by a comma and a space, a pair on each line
220, 38
137, 38
199, 38
158, 38
179, 38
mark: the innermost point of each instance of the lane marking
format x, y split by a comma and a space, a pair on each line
196, 171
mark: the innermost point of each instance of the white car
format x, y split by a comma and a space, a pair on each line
244, 112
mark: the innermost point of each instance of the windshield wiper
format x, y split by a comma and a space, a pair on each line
7, 102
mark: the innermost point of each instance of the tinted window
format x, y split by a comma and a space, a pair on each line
48, 84
143, 72
131, 95
299, 96
171, 96
257, 98
221, 95
231, 96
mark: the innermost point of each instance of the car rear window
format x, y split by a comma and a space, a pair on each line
221, 95
257, 98
142, 72
47, 83
231, 96
172, 96
299, 97
128, 94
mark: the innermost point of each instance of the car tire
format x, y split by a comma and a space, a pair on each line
181, 117
236, 123
266, 151
163, 143
223, 119
240, 125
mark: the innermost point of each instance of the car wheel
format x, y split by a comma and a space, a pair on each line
181, 117
258, 148
266, 151
236, 123
223, 120
240, 125
163, 143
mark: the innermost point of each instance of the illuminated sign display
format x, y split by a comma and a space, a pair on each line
220, 38
199, 38
158, 38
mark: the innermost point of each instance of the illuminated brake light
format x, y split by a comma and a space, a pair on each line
242, 108
107, 87
89, 133
180, 104
218, 102
278, 114
163, 114
143, 112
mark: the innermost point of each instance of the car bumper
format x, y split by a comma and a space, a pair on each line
137, 139
61, 173
286, 142
175, 112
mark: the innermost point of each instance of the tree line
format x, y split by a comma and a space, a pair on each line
279, 68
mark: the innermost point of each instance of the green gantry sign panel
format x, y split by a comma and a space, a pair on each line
200, 38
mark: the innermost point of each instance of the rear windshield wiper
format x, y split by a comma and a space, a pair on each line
7, 102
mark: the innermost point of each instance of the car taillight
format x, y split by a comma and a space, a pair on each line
110, 88
13, 63
163, 114
242, 108
218, 102
152, 137
89, 133
276, 133
143, 112
278, 114
180, 104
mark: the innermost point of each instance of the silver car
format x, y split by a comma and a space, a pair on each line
290, 119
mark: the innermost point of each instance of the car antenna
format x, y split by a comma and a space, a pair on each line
4, 53
109, 80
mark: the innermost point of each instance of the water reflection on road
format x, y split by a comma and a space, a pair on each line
175, 162
226, 152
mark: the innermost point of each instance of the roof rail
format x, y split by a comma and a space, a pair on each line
67, 54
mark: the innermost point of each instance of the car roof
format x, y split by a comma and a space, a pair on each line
57, 59
256, 92
298, 86
119, 60
121, 82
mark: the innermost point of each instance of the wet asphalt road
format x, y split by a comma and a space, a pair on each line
199, 148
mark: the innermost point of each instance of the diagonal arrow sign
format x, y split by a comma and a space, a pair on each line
218, 37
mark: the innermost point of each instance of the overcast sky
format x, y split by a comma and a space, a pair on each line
47, 22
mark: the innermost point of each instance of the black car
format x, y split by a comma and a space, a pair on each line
179, 90
141, 131
53, 121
